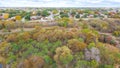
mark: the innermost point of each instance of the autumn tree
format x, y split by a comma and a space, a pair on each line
63, 56
24, 36
55, 11
64, 21
12, 38
75, 45
32, 62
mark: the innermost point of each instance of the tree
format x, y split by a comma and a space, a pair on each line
90, 35
75, 45
77, 16
63, 55
55, 11
27, 16
91, 45
39, 13
64, 21
80, 11
11, 38
64, 15
32, 62
24, 36
109, 54
44, 13
8, 25
73, 13
4, 51
61, 13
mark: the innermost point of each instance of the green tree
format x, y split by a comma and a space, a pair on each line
44, 13
64, 15
27, 16
77, 16
39, 13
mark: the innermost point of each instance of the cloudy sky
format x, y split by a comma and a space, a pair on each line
59, 3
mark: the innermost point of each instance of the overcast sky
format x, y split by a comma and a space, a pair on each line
59, 3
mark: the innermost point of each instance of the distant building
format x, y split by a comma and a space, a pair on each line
1, 17
90, 16
35, 17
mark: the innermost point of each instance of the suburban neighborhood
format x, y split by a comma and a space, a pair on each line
44, 14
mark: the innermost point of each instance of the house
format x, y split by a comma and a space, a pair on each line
90, 16
1, 17
104, 16
81, 15
46, 19
43, 19
35, 17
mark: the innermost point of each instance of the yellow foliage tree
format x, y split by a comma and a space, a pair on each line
55, 11
65, 21
63, 56
5, 15
18, 17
